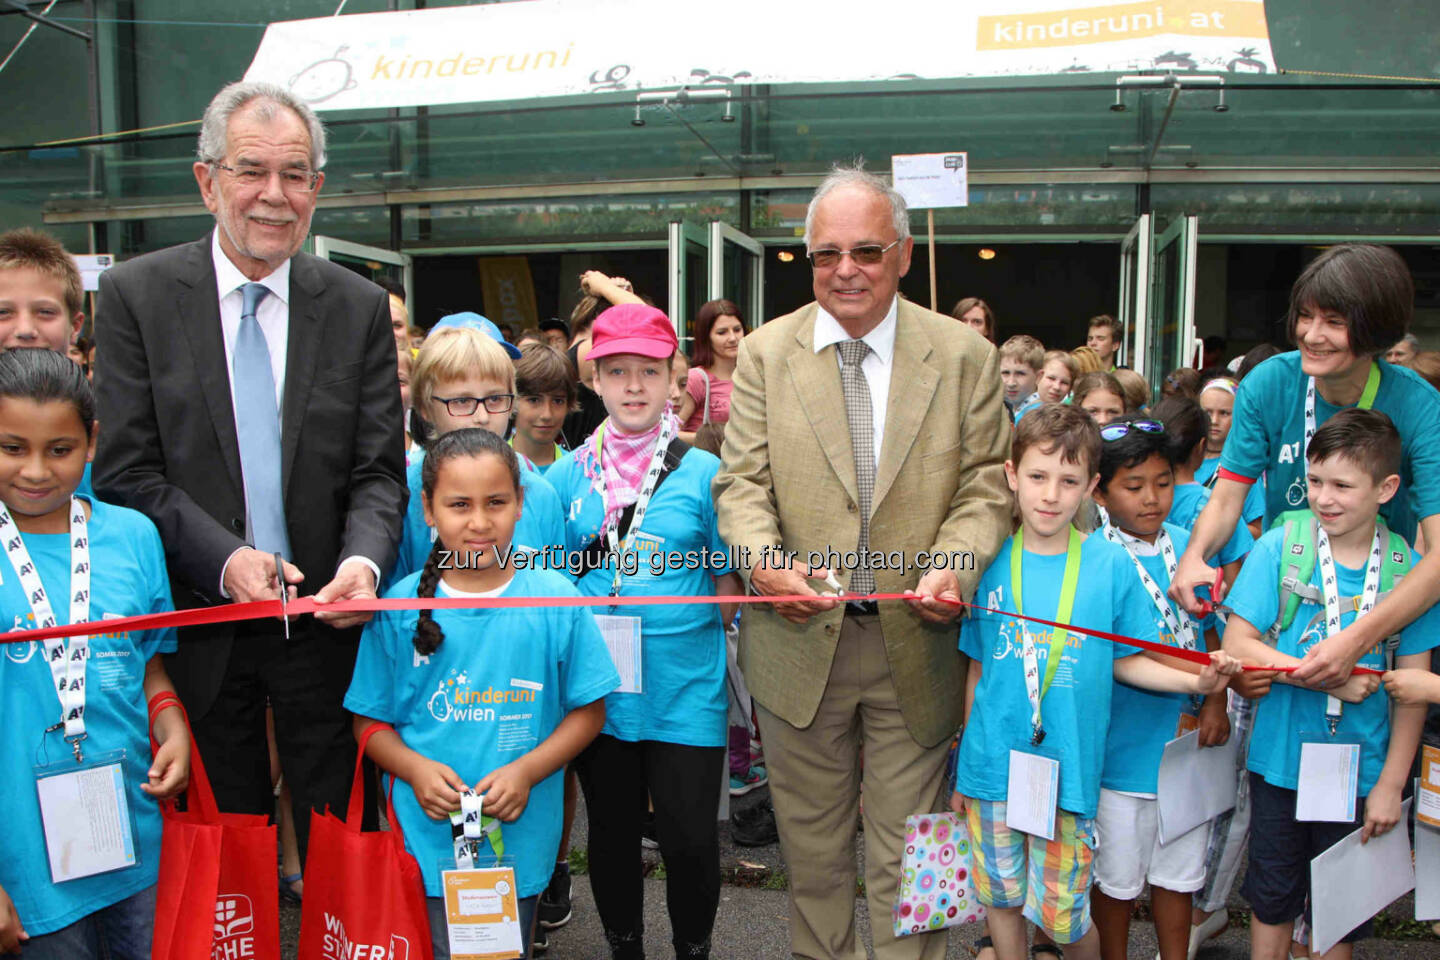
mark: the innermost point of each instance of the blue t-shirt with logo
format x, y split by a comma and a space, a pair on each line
127, 578
678, 552
1253, 509
541, 522
1143, 721
1076, 710
1268, 437
1287, 714
499, 684
1190, 499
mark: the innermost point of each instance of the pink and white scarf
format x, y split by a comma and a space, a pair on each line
626, 457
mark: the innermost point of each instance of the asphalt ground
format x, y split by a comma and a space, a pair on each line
752, 921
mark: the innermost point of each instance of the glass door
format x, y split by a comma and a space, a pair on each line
1170, 337
737, 271
372, 263
689, 276
1135, 291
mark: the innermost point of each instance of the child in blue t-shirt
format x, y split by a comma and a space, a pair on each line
464, 377
1217, 399
491, 700
1354, 459
1052, 468
73, 559
1135, 488
1187, 426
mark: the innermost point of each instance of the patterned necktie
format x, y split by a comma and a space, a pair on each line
257, 423
862, 440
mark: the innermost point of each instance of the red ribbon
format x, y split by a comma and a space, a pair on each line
262, 609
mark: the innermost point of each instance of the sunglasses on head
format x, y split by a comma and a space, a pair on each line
1114, 431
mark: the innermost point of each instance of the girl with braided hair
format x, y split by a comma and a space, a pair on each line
490, 700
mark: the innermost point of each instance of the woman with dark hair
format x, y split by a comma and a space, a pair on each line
718, 332
974, 312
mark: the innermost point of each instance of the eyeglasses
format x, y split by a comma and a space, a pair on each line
291, 181
865, 255
465, 406
1114, 431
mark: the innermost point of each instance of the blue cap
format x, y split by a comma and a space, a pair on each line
476, 322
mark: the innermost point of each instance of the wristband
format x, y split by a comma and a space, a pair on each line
161, 702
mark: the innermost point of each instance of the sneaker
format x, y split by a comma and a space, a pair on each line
755, 826
754, 778
553, 910
649, 839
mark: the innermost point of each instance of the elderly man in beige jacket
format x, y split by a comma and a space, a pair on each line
860, 424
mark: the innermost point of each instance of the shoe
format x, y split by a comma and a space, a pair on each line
754, 827
1211, 927
553, 910
288, 893
541, 942
753, 779
649, 839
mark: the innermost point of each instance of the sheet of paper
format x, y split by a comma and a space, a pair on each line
1195, 785
1329, 780
1427, 792
1350, 883
1427, 872
1034, 791
482, 914
87, 821
622, 639
932, 180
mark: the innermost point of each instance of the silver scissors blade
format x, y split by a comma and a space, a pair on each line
284, 593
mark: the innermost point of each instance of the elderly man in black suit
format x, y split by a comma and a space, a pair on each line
251, 408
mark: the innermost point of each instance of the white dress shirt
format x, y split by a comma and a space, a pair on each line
273, 315
877, 363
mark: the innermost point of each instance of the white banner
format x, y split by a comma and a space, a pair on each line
552, 48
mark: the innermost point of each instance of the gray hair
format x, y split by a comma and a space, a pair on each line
857, 176
1411, 339
215, 127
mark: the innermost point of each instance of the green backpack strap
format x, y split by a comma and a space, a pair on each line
1297, 563
1394, 565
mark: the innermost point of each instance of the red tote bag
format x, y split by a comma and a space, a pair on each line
362, 888
217, 897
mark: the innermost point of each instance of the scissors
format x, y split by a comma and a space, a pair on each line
284, 593
1209, 606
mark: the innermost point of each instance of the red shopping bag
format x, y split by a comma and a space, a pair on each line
362, 890
217, 897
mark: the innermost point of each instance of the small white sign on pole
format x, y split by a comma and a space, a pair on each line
930, 181
91, 266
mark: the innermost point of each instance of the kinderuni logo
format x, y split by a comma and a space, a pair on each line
324, 79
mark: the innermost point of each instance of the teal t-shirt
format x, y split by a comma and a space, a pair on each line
1143, 721
499, 684
541, 522
1287, 713
127, 579
1254, 508
1076, 710
1268, 436
679, 553
1190, 499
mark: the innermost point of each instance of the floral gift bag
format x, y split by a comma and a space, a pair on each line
935, 885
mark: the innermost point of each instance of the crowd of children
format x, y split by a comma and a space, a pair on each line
1293, 490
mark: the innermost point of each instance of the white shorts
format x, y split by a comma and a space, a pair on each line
1128, 851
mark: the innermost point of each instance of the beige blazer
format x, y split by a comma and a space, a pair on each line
788, 481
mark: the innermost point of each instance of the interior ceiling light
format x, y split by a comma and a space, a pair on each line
986, 253
785, 256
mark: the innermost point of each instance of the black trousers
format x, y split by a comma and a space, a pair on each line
304, 679
684, 784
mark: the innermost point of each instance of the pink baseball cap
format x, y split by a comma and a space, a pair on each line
633, 328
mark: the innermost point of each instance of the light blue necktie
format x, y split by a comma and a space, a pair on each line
257, 422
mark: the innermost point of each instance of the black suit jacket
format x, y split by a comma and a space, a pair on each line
167, 444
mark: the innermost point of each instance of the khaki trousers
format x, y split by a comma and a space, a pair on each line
815, 779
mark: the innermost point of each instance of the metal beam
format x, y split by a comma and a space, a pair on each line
28, 14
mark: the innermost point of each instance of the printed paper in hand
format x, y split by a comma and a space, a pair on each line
1033, 794
622, 639
482, 914
87, 821
1329, 780
1350, 883
1195, 784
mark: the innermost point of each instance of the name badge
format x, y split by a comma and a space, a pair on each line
86, 817
1033, 794
482, 914
1329, 782
622, 639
